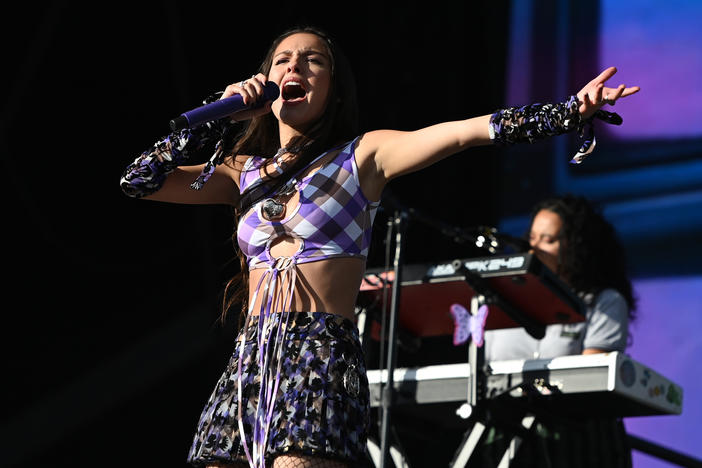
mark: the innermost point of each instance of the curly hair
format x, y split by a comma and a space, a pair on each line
591, 257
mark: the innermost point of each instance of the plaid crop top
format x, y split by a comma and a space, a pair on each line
333, 218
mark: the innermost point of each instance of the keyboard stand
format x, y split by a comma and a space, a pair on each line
527, 423
474, 435
470, 441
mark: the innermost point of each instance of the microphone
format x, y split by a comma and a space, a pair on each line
222, 108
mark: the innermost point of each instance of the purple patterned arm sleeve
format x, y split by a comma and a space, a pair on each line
148, 172
538, 121
534, 122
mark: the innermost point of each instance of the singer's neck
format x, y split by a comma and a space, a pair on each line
288, 133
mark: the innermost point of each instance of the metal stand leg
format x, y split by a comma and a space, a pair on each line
511, 452
396, 457
470, 441
476, 359
388, 391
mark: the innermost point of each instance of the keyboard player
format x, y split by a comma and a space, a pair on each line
572, 238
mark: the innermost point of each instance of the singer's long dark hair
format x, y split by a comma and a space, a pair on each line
591, 257
337, 124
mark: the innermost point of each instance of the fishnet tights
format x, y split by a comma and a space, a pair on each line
291, 461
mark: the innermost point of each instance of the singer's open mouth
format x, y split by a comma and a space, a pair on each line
293, 90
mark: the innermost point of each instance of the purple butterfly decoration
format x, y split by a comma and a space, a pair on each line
467, 325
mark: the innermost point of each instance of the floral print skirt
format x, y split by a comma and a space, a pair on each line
321, 407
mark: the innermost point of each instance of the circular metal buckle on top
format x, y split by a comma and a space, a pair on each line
283, 262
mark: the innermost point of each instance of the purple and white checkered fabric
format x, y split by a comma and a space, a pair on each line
332, 219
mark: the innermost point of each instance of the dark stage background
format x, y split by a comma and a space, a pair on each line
110, 336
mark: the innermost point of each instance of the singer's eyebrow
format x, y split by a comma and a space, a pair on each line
302, 52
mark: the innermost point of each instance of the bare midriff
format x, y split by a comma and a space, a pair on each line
329, 285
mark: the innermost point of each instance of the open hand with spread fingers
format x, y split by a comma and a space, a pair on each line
595, 94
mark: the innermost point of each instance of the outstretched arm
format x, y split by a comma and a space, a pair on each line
385, 154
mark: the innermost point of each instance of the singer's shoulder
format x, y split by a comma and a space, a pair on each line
369, 142
379, 135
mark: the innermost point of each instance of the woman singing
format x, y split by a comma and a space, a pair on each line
305, 186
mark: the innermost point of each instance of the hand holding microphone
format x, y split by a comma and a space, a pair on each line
252, 95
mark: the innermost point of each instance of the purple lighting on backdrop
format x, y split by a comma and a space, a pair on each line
667, 339
657, 45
